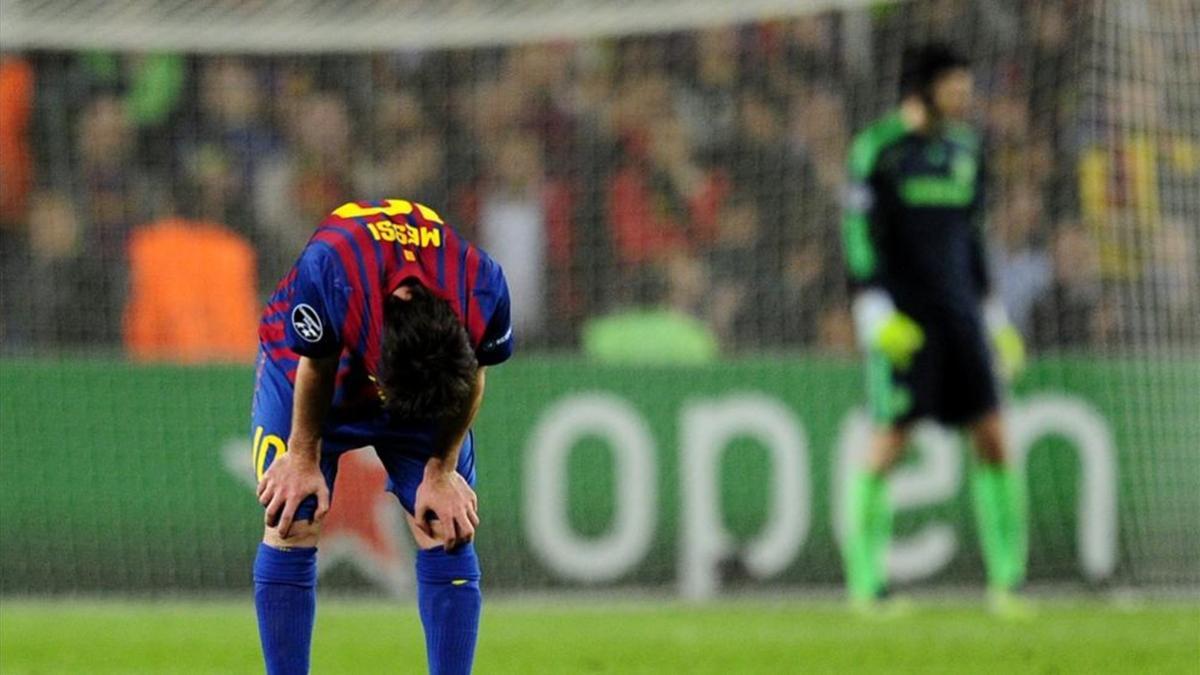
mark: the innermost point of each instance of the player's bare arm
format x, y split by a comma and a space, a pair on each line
444, 494
297, 474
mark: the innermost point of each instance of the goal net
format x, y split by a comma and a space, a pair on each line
660, 181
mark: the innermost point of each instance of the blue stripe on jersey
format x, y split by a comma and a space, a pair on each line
281, 294
380, 259
441, 261
367, 287
464, 292
327, 246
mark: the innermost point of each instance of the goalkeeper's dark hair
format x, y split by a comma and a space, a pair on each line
428, 366
923, 66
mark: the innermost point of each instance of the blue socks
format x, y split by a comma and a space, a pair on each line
285, 595
450, 602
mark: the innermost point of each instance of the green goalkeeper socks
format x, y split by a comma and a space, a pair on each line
999, 510
867, 540
1001, 518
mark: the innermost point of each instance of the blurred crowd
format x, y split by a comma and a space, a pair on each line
698, 172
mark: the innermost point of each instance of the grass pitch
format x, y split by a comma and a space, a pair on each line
621, 637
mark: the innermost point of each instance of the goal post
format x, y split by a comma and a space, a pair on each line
308, 26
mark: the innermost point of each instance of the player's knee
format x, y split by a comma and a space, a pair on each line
988, 438
437, 566
889, 448
424, 540
303, 533
990, 450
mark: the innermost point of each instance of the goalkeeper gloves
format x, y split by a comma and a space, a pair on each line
883, 328
1007, 344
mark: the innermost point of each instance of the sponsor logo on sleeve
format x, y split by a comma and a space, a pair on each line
307, 323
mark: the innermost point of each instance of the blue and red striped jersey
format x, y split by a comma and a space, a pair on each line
331, 302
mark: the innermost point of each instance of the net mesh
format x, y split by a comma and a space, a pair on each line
1139, 199
162, 163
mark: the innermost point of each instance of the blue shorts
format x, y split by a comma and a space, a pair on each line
403, 449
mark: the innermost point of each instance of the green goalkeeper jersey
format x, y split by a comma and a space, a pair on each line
913, 217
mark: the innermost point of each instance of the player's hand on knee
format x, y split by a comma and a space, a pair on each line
445, 498
290, 480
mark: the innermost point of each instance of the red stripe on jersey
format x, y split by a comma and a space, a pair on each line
425, 266
450, 270
281, 304
272, 331
375, 296
474, 316
275, 307
342, 373
277, 353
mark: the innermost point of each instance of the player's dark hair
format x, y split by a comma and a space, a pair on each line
428, 367
924, 66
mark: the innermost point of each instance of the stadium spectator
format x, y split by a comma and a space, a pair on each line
541, 73
295, 189
413, 168
1007, 132
16, 158
1049, 83
781, 182
812, 50
1073, 312
1172, 275
737, 266
594, 156
166, 319
230, 141
818, 134
50, 314
394, 114
524, 221
151, 85
707, 101
1134, 172
792, 317
150, 88
113, 187
407, 155
1021, 265
662, 200
113, 193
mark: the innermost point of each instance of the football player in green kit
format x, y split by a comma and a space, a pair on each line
937, 342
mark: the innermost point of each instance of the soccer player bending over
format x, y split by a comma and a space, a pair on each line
378, 336
922, 310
